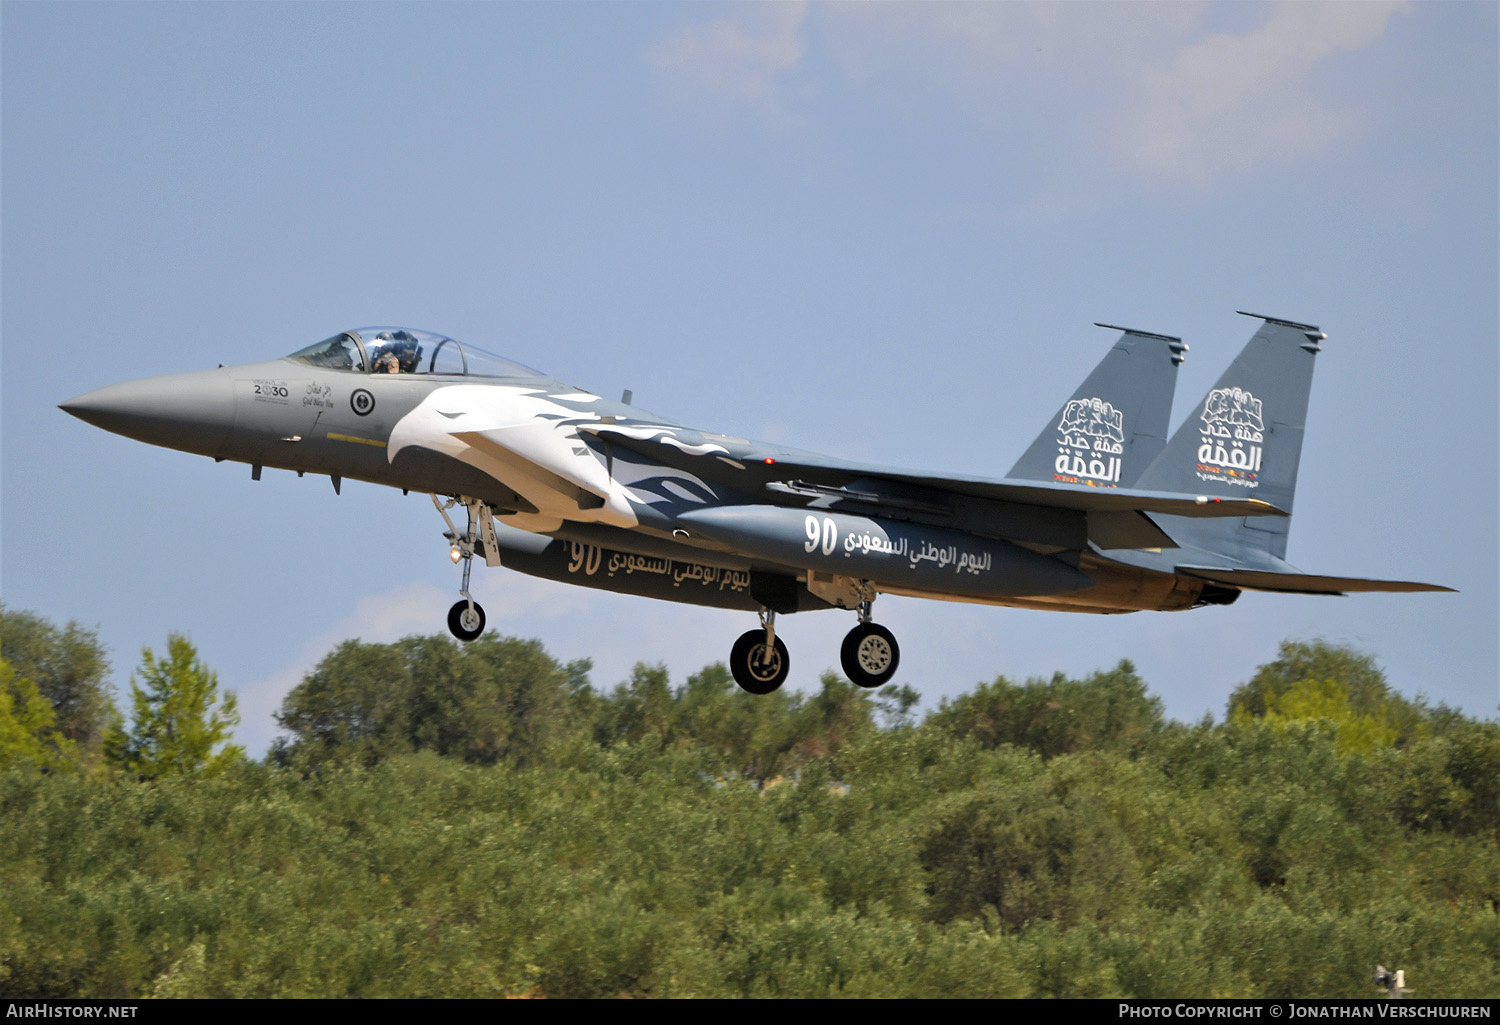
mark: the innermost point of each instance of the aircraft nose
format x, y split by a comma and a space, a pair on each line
191, 412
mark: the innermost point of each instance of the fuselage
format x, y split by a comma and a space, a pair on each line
600, 493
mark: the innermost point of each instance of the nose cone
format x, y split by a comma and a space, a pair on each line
192, 412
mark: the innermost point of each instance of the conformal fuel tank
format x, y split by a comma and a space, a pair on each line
908, 555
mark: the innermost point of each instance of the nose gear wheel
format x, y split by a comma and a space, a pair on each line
466, 620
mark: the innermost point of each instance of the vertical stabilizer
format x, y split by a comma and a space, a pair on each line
1244, 440
1116, 422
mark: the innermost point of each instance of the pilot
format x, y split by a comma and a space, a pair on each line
386, 361
405, 346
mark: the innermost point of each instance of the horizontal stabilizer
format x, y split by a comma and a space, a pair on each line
1299, 583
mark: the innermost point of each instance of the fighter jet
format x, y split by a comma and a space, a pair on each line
1101, 514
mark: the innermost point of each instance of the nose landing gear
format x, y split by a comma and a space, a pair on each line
466, 618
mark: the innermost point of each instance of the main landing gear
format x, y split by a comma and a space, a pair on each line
466, 618
759, 662
869, 653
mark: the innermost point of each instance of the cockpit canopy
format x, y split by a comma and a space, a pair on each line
404, 350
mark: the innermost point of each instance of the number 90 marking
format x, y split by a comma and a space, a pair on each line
825, 532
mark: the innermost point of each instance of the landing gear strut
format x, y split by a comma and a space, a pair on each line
869, 654
466, 618
759, 661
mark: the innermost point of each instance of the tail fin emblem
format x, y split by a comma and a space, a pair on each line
1231, 434
1090, 441
1232, 406
1095, 418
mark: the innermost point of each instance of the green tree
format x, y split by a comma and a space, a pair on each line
493, 699
175, 727
28, 725
1325, 703
69, 668
1351, 672
637, 709
1474, 763
1110, 710
749, 735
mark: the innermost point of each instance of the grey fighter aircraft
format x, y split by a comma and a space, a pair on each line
1102, 513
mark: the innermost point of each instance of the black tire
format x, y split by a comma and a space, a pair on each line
466, 626
870, 655
751, 670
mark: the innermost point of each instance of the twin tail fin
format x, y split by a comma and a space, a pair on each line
1244, 440
1115, 423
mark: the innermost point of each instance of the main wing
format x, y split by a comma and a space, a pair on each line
1113, 515
1300, 583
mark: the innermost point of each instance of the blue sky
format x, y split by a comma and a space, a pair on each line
881, 231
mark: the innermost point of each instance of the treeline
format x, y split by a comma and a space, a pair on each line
57, 712
480, 821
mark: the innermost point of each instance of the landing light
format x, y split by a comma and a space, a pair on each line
455, 555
